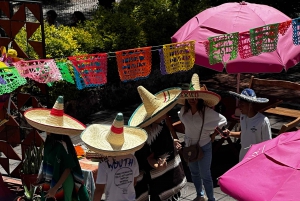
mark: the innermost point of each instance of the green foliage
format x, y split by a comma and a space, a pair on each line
60, 42
188, 9
30, 193
113, 31
126, 25
32, 160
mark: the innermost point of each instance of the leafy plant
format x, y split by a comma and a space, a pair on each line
30, 193
32, 160
60, 42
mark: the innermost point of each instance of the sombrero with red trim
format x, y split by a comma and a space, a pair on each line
153, 106
195, 91
115, 139
54, 120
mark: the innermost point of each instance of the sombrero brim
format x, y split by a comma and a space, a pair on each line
140, 118
210, 98
37, 118
94, 136
249, 99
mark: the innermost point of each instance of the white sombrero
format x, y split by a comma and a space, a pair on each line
196, 91
54, 120
249, 95
153, 106
115, 139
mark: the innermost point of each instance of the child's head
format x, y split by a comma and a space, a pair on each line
248, 101
246, 106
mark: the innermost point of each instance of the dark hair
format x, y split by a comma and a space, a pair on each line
52, 13
200, 106
52, 139
80, 16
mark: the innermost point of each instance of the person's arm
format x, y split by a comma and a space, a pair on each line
171, 128
235, 134
99, 192
266, 132
135, 181
232, 133
52, 191
212, 136
173, 132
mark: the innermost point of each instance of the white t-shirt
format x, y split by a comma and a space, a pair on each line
118, 175
193, 123
253, 130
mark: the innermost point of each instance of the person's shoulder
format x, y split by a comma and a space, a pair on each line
62, 146
209, 110
261, 116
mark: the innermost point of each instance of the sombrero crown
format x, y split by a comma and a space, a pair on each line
54, 120
196, 91
153, 106
113, 140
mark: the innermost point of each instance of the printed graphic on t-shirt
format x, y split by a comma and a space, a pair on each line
124, 174
253, 129
123, 178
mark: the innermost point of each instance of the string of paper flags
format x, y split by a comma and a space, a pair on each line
91, 70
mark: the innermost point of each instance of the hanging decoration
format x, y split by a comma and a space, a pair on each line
90, 70
264, 39
42, 70
2, 81
220, 47
12, 78
245, 45
284, 26
162, 62
65, 72
134, 64
179, 56
296, 31
206, 46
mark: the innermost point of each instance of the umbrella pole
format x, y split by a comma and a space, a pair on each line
238, 77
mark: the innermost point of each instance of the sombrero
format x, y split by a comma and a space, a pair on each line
54, 120
196, 91
249, 95
153, 106
115, 139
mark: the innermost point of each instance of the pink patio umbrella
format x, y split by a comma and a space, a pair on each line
240, 17
269, 171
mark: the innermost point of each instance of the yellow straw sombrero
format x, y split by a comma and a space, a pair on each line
115, 139
197, 92
54, 120
153, 106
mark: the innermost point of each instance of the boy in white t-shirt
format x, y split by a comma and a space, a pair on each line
118, 172
117, 176
255, 127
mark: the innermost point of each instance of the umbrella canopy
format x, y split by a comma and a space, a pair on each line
269, 171
240, 17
